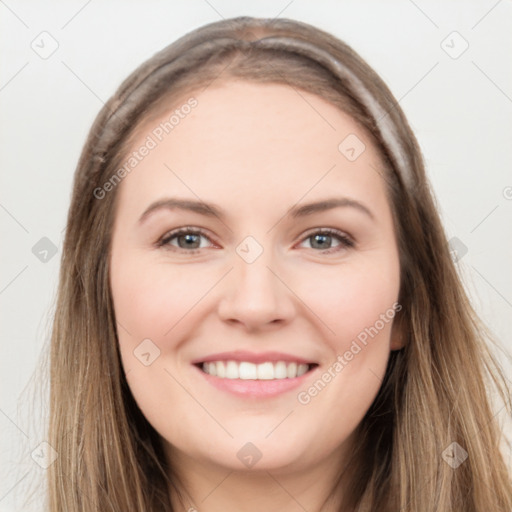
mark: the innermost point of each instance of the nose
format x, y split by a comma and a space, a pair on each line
256, 296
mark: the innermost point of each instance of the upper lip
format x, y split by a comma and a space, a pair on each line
252, 357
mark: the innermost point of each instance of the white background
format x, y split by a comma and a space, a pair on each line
460, 109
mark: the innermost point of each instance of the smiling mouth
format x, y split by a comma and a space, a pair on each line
245, 370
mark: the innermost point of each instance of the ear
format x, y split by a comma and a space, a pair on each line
398, 332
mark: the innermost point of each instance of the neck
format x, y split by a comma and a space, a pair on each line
205, 487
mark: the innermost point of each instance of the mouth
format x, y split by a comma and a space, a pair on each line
246, 370
254, 375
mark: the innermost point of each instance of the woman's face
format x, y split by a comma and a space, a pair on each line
293, 268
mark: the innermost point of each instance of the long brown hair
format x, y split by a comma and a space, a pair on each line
436, 389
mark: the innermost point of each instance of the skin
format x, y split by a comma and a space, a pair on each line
255, 150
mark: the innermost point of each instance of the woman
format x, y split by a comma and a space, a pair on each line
315, 350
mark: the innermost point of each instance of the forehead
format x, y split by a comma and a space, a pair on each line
244, 141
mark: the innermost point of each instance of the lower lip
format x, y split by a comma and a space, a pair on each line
255, 388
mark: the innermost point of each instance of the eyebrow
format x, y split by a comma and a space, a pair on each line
212, 210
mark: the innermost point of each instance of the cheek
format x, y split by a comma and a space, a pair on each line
151, 299
359, 306
352, 298
154, 307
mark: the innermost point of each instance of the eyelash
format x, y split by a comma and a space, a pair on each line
345, 241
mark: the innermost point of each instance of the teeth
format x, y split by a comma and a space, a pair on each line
221, 369
212, 368
265, 371
247, 371
231, 370
291, 371
302, 369
250, 371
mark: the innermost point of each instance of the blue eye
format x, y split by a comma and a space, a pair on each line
321, 239
189, 240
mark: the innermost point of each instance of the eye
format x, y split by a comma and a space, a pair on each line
187, 239
323, 238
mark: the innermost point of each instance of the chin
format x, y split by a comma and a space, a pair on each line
253, 454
